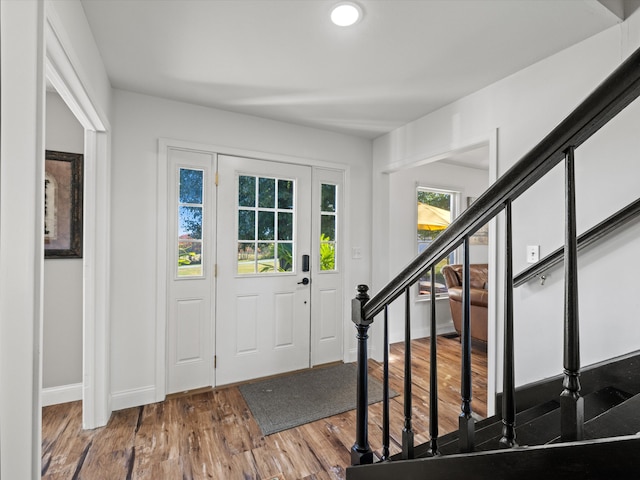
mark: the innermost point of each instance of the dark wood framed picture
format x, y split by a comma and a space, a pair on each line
63, 205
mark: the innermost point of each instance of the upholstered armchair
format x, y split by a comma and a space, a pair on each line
479, 297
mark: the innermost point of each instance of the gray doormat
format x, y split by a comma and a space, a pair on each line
289, 401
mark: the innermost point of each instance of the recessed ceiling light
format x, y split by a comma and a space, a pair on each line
345, 14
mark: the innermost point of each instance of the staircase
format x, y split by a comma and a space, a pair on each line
582, 422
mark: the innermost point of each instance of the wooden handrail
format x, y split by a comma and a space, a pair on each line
622, 217
607, 100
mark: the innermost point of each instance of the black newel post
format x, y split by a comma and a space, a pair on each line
361, 453
571, 403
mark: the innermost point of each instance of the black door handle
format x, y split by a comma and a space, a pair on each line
305, 281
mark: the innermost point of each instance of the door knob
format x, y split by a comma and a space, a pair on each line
305, 281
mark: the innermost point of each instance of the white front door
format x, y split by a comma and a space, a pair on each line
263, 323
191, 260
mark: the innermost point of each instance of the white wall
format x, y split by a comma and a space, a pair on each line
469, 182
524, 108
140, 121
62, 312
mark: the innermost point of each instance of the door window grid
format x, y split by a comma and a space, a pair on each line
328, 226
265, 234
190, 222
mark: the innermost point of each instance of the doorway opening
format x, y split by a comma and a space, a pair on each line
445, 185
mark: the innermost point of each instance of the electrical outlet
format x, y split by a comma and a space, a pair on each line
533, 253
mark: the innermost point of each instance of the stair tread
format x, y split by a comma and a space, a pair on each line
598, 403
623, 419
541, 424
546, 428
494, 428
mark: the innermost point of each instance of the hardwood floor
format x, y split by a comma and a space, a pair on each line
212, 434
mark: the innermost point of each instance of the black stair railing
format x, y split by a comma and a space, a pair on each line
606, 101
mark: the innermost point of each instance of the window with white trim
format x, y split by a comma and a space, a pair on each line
435, 211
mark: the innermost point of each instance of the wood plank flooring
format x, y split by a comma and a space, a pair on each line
212, 434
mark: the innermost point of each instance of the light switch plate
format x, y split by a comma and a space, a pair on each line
533, 253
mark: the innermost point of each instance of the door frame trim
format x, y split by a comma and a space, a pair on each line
161, 307
96, 340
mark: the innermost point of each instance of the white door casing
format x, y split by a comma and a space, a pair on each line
190, 272
263, 316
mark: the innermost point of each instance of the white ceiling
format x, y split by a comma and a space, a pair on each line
285, 60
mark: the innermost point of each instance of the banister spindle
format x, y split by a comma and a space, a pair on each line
433, 373
466, 423
571, 403
361, 452
508, 439
385, 388
407, 431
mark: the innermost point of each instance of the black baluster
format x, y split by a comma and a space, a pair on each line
508, 439
466, 423
407, 431
385, 388
571, 403
361, 452
433, 373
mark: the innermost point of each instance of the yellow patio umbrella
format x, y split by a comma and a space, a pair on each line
432, 218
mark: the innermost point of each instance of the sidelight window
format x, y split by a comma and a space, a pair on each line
328, 226
190, 215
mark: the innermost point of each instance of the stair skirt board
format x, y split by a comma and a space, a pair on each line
594, 459
61, 394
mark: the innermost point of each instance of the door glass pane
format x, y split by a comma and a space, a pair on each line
246, 257
328, 200
246, 225
328, 226
265, 227
285, 226
285, 257
246, 191
267, 192
285, 194
191, 185
190, 222
266, 257
189, 259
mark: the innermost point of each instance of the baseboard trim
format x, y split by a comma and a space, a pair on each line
133, 398
61, 394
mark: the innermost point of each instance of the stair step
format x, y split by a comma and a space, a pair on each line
539, 425
623, 419
545, 428
493, 427
598, 403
